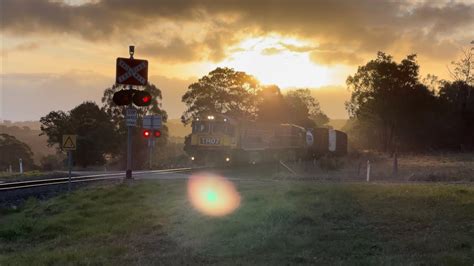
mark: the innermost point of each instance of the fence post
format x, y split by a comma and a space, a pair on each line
21, 166
368, 171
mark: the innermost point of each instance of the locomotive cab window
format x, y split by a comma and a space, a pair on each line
201, 127
222, 128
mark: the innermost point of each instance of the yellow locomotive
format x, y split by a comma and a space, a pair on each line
219, 139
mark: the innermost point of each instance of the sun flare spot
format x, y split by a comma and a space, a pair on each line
212, 195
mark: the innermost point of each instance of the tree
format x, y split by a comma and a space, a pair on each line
222, 91
11, 150
304, 110
464, 68
271, 105
389, 97
96, 132
457, 99
117, 114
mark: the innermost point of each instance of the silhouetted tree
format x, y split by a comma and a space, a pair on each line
303, 109
463, 69
272, 106
96, 133
389, 97
457, 99
11, 150
222, 91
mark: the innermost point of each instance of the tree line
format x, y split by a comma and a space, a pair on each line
238, 94
102, 132
392, 108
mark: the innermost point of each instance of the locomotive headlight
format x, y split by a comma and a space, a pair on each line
227, 159
192, 158
210, 117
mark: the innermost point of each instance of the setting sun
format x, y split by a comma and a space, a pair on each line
281, 61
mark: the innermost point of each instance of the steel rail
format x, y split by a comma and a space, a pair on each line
78, 179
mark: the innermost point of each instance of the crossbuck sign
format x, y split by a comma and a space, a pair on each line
131, 71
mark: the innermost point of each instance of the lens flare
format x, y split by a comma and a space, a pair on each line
212, 195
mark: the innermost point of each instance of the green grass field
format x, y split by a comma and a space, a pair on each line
277, 223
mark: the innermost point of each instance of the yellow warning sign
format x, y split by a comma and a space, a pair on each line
69, 142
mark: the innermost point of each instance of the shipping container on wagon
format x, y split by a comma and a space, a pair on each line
341, 143
321, 141
328, 141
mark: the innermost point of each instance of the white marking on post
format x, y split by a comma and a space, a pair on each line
368, 171
21, 166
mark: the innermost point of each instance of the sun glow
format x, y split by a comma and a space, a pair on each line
276, 60
212, 195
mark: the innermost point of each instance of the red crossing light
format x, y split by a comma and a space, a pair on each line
157, 133
123, 97
142, 98
146, 133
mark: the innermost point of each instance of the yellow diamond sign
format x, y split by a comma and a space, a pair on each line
69, 142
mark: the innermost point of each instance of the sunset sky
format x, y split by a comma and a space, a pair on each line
57, 54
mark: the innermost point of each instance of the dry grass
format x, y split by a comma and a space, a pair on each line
278, 223
446, 167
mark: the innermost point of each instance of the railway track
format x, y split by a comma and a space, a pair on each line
10, 186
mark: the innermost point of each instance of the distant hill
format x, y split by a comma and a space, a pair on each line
28, 132
34, 125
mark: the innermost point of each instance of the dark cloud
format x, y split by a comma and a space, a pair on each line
335, 57
174, 51
363, 26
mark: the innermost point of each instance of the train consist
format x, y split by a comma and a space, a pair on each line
219, 139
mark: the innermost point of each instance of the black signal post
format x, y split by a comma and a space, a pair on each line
130, 71
128, 173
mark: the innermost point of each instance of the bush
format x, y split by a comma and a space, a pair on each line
330, 163
52, 162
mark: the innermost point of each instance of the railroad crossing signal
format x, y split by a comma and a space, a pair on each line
69, 142
148, 133
130, 71
157, 133
123, 97
141, 98
126, 97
